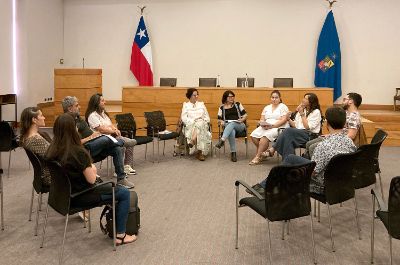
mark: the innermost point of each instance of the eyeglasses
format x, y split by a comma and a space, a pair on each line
230, 96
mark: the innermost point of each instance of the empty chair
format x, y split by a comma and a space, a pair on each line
241, 81
283, 82
339, 186
8, 141
37, 184
62, 201
156, 128
127, 125
167, 81
389, 214
396, 98
287, 196
207, 82
379, 137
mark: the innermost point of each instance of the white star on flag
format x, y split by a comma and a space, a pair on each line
141, 33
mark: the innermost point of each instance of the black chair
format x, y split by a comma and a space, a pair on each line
156, 126
339, 186
37, 184
62, 200
8, 141
127, 125
241, 81
283, 82
1, 198
287, 197
396, 97
164, 81
379, 138
389, 214
207, 82
242, 134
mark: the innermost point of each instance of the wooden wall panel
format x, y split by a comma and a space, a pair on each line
83, 94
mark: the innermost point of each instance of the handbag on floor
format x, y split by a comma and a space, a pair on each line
133, 222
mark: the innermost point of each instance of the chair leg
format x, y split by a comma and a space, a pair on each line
319, 212
247, 146
372, 230
45, 224
1, 203
315, 208
31, 206
390, 249
283, 230
40, 204
312, 238
163, 151
380, 183
9, 165
63, 241
357, 221
84, 219
101, 163
330, 228
158, 150
37, 213
269, 243
153, 151
114, 226
145, 152
288, 224
237, 217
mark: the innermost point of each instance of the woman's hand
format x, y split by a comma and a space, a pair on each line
300, 108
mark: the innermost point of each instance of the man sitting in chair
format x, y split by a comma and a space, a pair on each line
98, 145
336, 142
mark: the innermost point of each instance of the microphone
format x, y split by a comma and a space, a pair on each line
246, 82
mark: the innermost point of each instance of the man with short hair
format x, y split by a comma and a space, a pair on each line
99, 146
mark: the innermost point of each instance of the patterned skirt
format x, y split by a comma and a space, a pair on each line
203, 135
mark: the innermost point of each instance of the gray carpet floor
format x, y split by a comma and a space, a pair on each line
188, 217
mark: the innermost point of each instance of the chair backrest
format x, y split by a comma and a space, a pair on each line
240, 81
287, 193
166, 81
207, 82
6, 136
379, 136
155, 122
394, 207
60, 188
126, 122
36, 162
283, 82
338, 178
364, 166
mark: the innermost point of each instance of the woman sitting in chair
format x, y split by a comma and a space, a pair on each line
232, 117
31, 120
67, 149
196, 124
273, 116
305, 127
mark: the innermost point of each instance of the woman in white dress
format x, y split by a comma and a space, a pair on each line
273, 116
196, 120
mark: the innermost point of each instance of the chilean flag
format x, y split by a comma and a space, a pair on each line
141, 59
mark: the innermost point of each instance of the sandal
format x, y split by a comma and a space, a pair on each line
123, 240
266, 154
257, 160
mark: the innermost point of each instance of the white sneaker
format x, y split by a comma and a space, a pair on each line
129, 170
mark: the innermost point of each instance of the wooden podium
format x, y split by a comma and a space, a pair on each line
81, 83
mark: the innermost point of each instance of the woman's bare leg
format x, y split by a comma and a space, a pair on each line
263, 146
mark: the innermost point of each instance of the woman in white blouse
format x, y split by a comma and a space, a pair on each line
305, 127
273, 116
196, 121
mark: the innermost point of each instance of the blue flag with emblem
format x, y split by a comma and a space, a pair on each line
328, 66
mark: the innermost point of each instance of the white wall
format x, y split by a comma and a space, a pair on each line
265, 39
40, 35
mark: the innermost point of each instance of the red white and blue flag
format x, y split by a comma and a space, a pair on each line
141, 58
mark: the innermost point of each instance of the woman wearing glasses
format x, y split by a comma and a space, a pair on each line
232, 117
196, 125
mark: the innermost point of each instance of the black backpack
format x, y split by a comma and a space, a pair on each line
133, 222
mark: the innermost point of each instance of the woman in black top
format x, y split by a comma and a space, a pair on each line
67, 149
232, 116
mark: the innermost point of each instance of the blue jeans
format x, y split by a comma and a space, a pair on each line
102, 147
230, 133
122, 197
290, 160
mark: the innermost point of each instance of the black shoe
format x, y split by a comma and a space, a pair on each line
233, 157
220, 144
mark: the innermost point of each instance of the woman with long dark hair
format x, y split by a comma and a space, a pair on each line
67, 149
273, 116
98, 119
305, 127
31, 120
232, 116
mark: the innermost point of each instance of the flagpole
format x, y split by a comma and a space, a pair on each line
141, 9
331, 2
